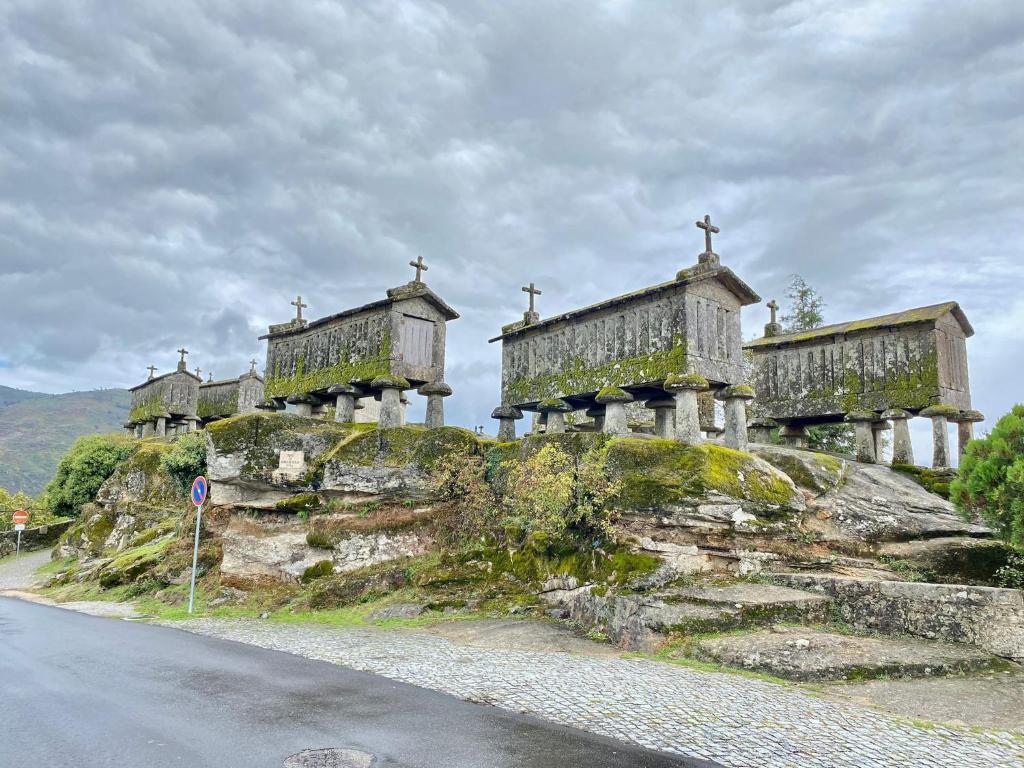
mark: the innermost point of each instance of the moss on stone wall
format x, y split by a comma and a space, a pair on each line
577, 378
354, 369
148, 409
210, 406
404, 446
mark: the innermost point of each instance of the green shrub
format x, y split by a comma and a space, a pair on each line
990, 481
1012, 574
186, 460
84, 468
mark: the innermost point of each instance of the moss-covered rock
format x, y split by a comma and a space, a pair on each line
132, 563
405, 446
932, 480
815, 472
317, 571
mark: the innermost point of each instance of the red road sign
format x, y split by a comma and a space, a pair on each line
20, 517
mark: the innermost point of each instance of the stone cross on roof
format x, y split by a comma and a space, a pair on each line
152, 371
199, 373
533, 291
420, 267
181, 363
252, 363
773, 328
210, 374
773, 305
708, 228
299, 306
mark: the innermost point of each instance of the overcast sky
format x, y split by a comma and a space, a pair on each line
175, 173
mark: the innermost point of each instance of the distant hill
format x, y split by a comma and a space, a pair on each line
36, 429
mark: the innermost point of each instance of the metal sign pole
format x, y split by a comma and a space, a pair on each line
17, 552
195, 559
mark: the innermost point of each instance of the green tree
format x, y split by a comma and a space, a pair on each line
806, 312
186, 459
84, 468
990, 480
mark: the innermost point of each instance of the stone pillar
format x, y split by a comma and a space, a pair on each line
940, 416
706, 408
436, 393
507, 416
685, 389
596, 413
553, 410
303, 405
760, 430
863, 435
794, 435
877, 428
148, 429
614, 401
161, 426
344, 403
664, 416
902, 448
965, 429
390, 399
735, 398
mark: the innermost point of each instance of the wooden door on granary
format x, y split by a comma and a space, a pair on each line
416, 341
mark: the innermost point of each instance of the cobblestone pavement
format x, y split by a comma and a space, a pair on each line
18, 573
727, 718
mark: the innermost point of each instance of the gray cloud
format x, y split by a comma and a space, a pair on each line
176, 175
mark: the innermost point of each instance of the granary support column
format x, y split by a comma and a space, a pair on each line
863, 435
965, 429
435, 393
877, 428
735, 398
760, 430
507, 416
794, 435
161, 425
149, 428
596, 412
664, 416
614, 401
553, 410
390, 399
685, 389
303, 405
902, 447
706, 409
940, 416
344, 403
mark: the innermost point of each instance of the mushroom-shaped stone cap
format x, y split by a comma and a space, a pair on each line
764, 422
554, 405
613, 395
971, 416
387, 381
435, 388
342, 389
854, 416
660, 402
895, 414
162, 415
268, 405
302, 400
677, 382
940, 409
735, 392
881, 426
793, 430
129, 425
506, 412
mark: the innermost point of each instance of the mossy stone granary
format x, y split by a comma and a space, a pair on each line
914, 362
633, 342
378, 349
229, 397
165, 404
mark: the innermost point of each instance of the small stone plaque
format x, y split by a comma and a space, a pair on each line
291, 465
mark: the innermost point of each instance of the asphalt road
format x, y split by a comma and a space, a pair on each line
78, 690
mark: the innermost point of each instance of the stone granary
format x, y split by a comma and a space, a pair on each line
230, 397
869, 372
663, 345
377, 350
167, 404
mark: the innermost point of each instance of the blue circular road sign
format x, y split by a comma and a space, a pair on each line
199, 488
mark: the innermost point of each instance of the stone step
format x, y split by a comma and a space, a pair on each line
805, 654
642, 622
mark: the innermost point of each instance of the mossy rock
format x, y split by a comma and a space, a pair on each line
317, 571
932, 480
405, 446
655, 473
132, 563
816, 472
300, 503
